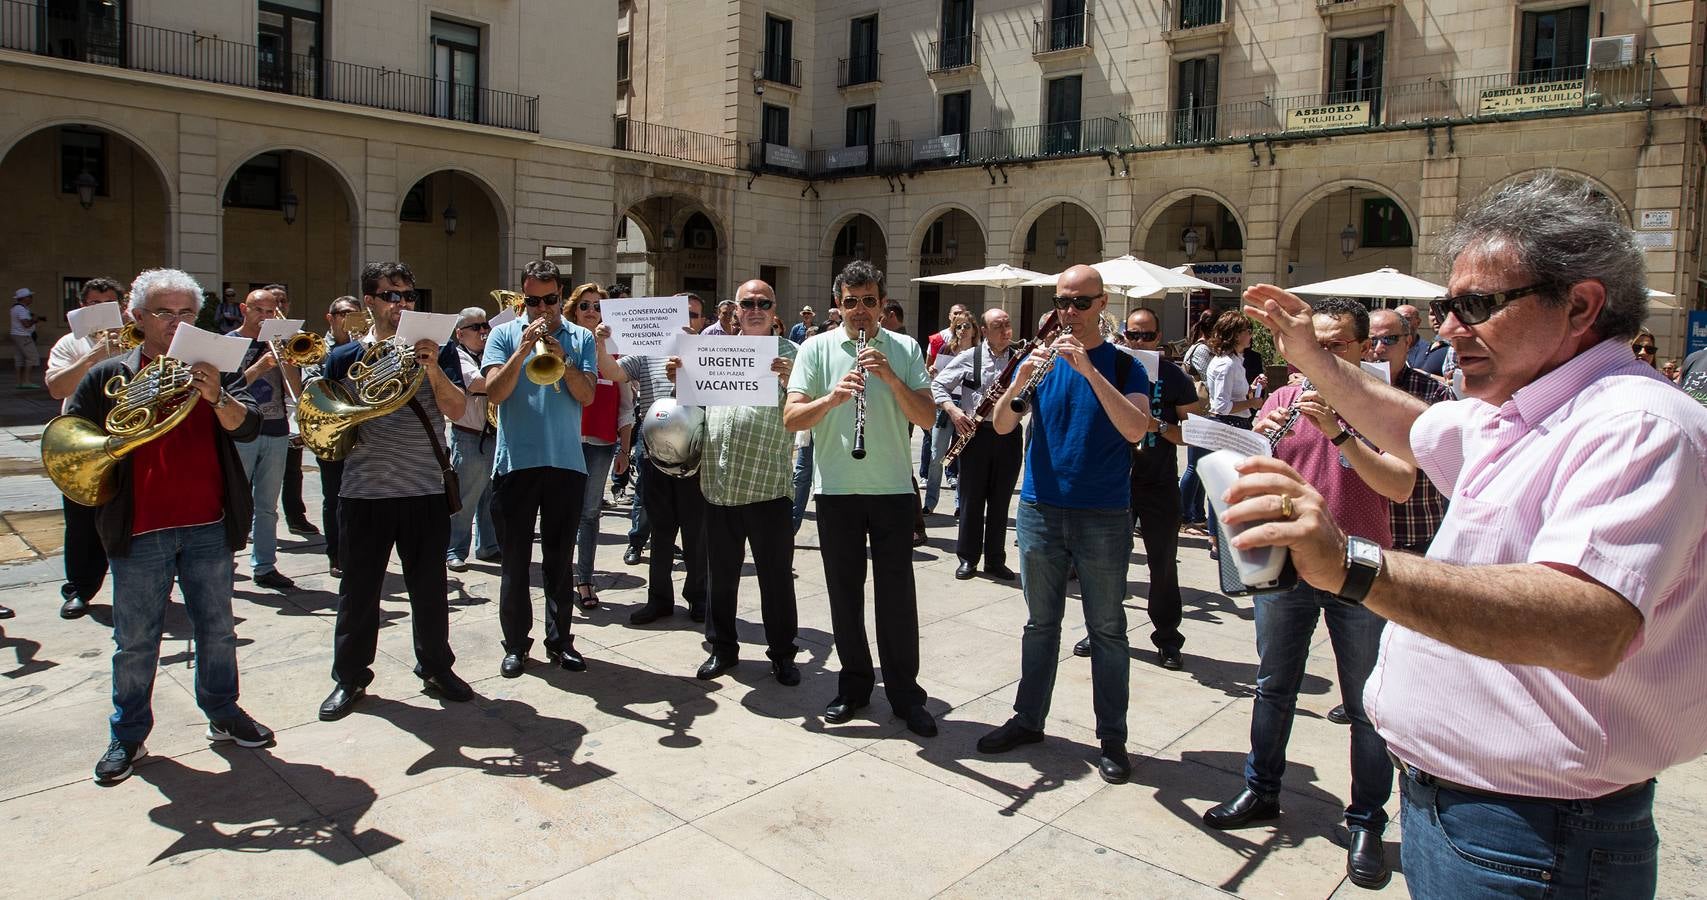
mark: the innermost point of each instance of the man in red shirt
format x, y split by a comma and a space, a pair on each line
183, 508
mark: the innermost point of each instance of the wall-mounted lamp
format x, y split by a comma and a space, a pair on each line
86, 185
289, 204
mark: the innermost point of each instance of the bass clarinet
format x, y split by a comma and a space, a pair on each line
987, 406
859, 404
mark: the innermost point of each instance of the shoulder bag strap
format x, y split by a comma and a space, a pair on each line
453, 493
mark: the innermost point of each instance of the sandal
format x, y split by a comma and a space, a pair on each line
590, 600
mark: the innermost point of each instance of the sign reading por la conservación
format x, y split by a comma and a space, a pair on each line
645, 326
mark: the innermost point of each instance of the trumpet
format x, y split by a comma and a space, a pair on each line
544, 368
82, 457
858, 451
305, 348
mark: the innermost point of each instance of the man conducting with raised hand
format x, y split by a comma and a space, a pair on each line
1544, 662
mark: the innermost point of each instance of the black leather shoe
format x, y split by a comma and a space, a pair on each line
1113, 765
6, 612
1246, 808
1083, 647
447, 685
303, 528
513, 665
787, 673
1366, 860
1170, 660
1010, 735
1001, 573
1337, 715
715, 664
920, 721
339, 703
631, 556
965, 570
842, 709
646, 615
697, 613
73, 608
567, 658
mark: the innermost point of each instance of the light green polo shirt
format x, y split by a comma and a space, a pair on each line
886, 468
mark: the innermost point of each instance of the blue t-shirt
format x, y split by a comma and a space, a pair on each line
539, 424
1076, 458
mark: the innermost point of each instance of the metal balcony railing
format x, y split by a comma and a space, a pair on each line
1477, 98
779, 69
675, 143
28, 27
954, 52
1198, 13
859, 70
1075, 138
1061, 33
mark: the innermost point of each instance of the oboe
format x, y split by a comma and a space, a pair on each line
859, 404
1292, 414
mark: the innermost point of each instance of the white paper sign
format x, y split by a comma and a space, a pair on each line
426, 326
1381, 371
646, 326
504, 315
726, 370
191, 345
1208, 434
87, 320
279, 329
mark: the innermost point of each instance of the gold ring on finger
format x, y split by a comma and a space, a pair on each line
1286, 510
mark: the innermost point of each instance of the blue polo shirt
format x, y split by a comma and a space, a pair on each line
539, 424
1076, 458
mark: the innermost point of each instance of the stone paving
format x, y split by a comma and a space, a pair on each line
635, 779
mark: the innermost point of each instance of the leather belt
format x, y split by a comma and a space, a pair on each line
1435, 781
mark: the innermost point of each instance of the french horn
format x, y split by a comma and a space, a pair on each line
81, 457
386, 377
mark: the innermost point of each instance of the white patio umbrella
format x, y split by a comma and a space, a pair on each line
1663, 299
1385, 283
1000, 275
1136, 278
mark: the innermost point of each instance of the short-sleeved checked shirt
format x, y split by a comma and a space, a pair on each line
1416, 520
747, 451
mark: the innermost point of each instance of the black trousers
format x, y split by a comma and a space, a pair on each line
419, 528
291, 495
846, 522
1156, 506
989, 468
331, 482
554, 496
85, 556
674, 505
769, 527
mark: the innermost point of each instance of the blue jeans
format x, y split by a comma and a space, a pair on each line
264, 464
942, 437
1285, 623
473, 465
142, 584
639, 527
802, 483
1099, 543
1191, 499
599, 458
1472, 847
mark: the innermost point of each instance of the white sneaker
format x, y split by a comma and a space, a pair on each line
457, 565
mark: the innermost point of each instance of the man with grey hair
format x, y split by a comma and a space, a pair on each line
472, 443
164, 525
1543, 663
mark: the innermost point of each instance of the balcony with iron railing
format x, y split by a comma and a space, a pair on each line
953, 52
1061, 33
1198, 13
675, 143
779, 69
25, 26
858, 70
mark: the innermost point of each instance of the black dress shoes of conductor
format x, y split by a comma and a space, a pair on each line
513, 665
842, 709
1366, 860
339, 703
1242, 810
567, 658
1010, 735
446, 684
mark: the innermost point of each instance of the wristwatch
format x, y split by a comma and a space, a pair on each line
1362, 563
1341, 438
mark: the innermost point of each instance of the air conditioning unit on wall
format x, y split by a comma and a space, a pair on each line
1612, 52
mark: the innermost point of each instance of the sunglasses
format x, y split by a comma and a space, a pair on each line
1062, 301
585, 305
852, 302
1334, 346
1140, 335
1474, 309
479, 326
1644, 349
395, 296
757, 304
547, 299
694, 315
1388, 340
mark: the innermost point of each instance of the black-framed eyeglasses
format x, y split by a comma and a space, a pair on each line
869, 302
757, 304
547, 299
585, 305
395, 296
1474, 309
1643, 349
1080, 303
1388, 340
1140, 335
479, 326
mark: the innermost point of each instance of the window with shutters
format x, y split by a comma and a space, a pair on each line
957, 117
1354, 71
1554, 45
1384, 224
862, 126
1062, 133
1195, 99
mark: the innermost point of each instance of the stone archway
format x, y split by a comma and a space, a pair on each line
948, 240
1054, 234
1345, 228
1191, 227
856, 236
290, 216
452, 230
678, 245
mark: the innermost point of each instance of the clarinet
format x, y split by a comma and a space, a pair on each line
1292, 414
859, 405
1051, 328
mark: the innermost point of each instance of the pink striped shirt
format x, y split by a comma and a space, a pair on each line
1600, 464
